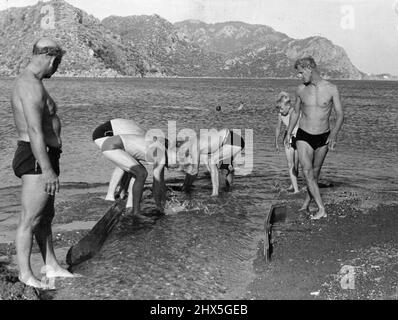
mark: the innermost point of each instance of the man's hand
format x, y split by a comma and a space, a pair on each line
51, 182
277, 147
286, 142
331, 142
60, 142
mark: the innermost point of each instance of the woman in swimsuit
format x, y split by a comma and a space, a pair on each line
284, 106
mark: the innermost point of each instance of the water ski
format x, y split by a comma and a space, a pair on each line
276, 214
90, 244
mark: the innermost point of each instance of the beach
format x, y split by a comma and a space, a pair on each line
214, 249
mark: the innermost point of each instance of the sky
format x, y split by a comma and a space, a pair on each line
366, 29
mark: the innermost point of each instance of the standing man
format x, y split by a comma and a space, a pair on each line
315, 99
36, 160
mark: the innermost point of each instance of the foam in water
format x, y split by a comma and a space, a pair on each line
174, 206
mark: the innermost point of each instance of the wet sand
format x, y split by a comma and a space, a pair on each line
170, 263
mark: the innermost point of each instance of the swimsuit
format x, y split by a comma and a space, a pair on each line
293, 142
285, 120
316, 141
104, 130
231, 139
25, 162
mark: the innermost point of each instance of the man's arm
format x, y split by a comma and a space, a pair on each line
56, 122
278, 131
294, 116
192, 162
159, 187
214, 178
32, 104
340, 118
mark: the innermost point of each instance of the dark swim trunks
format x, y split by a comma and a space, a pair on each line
293, 144
233, 139
316, 141
104, 130
25, 162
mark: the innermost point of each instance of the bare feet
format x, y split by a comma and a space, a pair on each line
58, 272
305, 209
319, 215
110, 198
31, 281
139, 218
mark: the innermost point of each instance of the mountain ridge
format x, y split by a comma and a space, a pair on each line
149, 45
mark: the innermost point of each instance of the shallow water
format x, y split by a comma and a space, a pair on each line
194, 254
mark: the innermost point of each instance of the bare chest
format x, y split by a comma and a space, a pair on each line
313, 97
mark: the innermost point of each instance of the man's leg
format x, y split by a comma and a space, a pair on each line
117, 176
306, 156
319, 158
291, 166
127, 163
224, 155
296, 165
130, 200
34, 200
43, 235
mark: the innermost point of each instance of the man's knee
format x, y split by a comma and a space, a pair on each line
317, 171
139, 173
29, 220
308, 173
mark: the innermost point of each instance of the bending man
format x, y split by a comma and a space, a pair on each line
217, 149
126, 145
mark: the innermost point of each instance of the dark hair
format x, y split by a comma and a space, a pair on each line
50, 51
305, 62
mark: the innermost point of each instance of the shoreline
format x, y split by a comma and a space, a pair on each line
210, 78
307, 258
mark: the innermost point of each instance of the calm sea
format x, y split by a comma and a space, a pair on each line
197, 250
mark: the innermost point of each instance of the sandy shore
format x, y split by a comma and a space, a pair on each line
311, 259
352, 254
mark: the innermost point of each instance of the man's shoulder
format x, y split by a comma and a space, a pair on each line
329, 86
28, 80
25, 84
300, 88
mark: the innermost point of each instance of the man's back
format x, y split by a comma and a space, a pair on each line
27, 87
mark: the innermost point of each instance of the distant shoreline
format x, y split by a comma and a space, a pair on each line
235, 78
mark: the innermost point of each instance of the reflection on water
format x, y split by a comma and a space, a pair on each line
194, 254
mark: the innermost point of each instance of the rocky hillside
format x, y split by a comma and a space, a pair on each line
92, 50
161, 42
152, 46
260, 51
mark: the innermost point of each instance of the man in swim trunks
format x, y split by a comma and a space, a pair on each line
127, 145
36, 160
217, 149
315, 100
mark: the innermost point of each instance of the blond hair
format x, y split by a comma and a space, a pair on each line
283, 96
